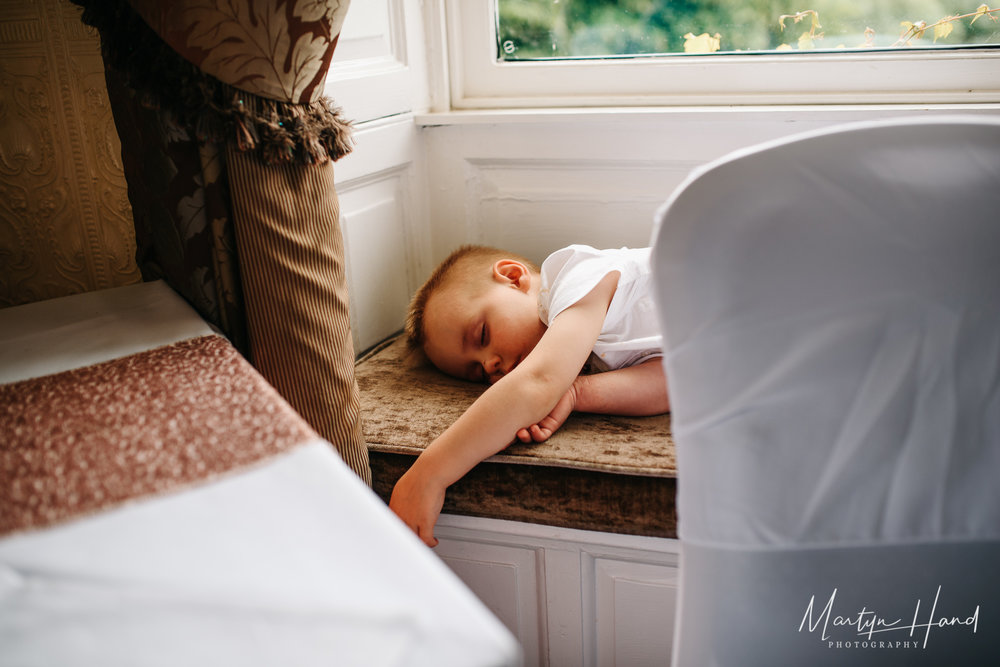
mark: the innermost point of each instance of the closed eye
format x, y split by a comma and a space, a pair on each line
482, 336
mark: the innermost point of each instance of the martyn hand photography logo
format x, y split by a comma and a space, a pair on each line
865, 628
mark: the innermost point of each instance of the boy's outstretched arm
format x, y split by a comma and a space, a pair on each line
524, 396
635, 391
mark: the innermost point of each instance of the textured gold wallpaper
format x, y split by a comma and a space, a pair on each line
65, 220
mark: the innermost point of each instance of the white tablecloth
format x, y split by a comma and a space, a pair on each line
292, 561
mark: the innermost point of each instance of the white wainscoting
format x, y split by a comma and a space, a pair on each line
380, 66
533, 181
527, 204
572, 597
382, 217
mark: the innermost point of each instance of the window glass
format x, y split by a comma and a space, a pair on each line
547, 29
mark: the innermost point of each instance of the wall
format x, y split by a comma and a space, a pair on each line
532, 182
379, 77
65, 220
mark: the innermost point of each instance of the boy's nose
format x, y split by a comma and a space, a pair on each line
493, 367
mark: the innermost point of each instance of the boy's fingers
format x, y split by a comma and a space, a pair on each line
539, 434
427, 535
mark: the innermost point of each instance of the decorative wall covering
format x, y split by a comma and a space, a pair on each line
65, 220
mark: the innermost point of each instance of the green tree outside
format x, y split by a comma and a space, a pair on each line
532, 29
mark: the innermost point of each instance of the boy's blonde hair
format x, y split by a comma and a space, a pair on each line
467, 264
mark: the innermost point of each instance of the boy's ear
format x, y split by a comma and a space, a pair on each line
512, 272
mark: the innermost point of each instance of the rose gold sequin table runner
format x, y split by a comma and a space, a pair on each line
83, 440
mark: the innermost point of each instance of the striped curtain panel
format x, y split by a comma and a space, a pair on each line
228, 152
294, 281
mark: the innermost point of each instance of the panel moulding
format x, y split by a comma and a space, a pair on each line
534, 206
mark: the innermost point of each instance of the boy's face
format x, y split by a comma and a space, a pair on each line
481, 333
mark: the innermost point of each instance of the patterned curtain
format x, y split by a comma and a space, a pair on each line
228, 147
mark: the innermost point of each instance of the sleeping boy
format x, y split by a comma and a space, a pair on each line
487, 315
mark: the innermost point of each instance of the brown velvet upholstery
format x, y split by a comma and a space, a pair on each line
612, 474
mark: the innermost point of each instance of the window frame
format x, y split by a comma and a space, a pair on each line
932, 76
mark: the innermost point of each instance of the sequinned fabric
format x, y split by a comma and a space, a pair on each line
87, 439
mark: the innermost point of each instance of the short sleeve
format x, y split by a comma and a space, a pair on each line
631, 331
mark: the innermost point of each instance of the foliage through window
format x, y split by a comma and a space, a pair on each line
547, 29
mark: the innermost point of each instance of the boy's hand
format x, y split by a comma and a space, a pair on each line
418, 501
544, 429
636, 391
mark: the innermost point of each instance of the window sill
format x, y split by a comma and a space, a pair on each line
729, 113
599, 473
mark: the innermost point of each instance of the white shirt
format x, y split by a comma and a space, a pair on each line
630, 333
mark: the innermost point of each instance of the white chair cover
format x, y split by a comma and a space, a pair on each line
830, 305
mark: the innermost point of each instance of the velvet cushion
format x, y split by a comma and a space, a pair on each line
614, 474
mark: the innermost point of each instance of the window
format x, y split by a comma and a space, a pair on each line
544, 29
545, 53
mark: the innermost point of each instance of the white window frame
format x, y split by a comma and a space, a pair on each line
478, 81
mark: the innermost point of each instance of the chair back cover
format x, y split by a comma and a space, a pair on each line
830, 305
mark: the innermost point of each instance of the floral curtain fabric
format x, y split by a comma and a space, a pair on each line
278, 50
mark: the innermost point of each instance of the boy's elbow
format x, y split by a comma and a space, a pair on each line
541, 387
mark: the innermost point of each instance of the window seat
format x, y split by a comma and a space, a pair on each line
608, 474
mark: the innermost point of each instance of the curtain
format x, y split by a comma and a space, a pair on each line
228, 148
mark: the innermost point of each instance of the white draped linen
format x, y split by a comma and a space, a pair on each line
830, 305
290, 560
